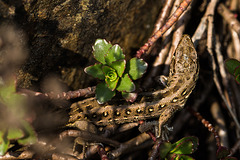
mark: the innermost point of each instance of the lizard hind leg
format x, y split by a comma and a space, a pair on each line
164, 117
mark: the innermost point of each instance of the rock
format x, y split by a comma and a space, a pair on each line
61, 34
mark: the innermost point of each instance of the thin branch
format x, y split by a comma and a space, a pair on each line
129, 145
207, 125
23, 155
219, 118
177, 35
163, 15
215, 78
229, 17
162, 18
64, 95
89, 137
235, 147
183, 6
236, 42
155, 150
166, 53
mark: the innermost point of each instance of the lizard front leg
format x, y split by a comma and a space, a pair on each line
164, 117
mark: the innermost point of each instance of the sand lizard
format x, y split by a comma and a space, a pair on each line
184, 70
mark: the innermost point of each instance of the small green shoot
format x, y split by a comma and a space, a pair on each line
223, 152
118, 75
12, 125
233, 67
182, 149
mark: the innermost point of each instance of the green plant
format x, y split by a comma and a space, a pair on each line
12, 123
223, 152
117, 73
179, 150
233, 67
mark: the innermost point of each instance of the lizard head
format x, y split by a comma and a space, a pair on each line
185, 57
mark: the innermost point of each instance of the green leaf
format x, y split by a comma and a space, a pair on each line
100, 49
237, 71
180, 157
186, 145
4, 143
125, 84
109, 73
129, 97
222, 152
103, 93
95, 71
164, 149
231, 65
14, 133
30, 135
119, 66
237, 78
115, 53
6, 91
112, 84
136, 68
13, 101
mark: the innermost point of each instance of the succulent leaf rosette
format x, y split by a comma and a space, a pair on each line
115, 71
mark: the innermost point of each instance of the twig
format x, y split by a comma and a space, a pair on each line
177, 35
127, 126
64, 95
109, 130
218, 116
229, 17
236, 42
183, 6
162, 18
201, 29
215, 78
234, 5
163, 15
62, 156
165, 56
207, 125
129, 145
23, 155
90, 137
160, 59
235, 147
155, 150
225, 80
235, 38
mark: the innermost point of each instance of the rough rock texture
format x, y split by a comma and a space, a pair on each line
61, 32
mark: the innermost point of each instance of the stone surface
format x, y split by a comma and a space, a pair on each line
61, 34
